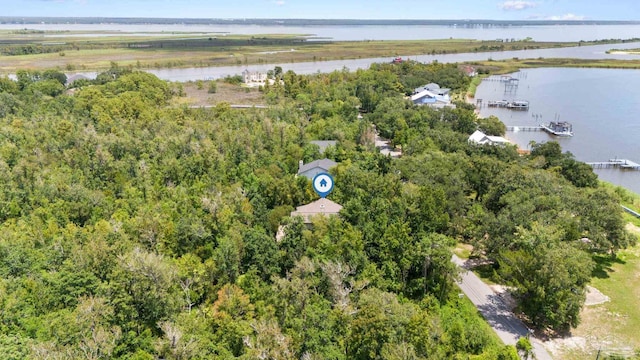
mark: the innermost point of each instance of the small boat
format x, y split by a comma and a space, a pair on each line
558, 128
397, 60
518, 105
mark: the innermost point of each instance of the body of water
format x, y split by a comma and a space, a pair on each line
583, 52
601, 104
369, 32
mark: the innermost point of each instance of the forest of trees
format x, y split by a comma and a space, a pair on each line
134, 229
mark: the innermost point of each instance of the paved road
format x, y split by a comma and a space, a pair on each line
496, 312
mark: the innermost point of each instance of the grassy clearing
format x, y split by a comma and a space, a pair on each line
628, 199
196, 93
613, 326
473, 86
463, 250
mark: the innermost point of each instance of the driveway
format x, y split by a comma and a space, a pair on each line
495, 311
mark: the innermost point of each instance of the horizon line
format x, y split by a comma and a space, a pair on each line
323, 19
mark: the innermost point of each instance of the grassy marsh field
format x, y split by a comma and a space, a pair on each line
72, 51
515, 64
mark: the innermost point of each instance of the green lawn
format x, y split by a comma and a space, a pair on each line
613, 326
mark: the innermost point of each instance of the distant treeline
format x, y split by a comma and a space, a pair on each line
302, 22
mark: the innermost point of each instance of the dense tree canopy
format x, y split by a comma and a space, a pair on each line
134, 229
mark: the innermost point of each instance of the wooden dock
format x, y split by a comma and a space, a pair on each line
524, 128
543, 127
615, 163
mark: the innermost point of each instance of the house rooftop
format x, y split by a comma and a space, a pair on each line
75, 77
429, 97
434, 88
322, 206
481, 138
325, 164
324, 144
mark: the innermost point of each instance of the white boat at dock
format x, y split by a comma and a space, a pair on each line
558, 128
518, 105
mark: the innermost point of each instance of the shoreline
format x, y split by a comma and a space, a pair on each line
623, 52
149, 54
615, 177
469, 100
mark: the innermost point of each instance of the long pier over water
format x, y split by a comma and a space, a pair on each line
619, 163
524, 128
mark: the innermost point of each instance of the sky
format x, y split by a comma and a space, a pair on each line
332, 9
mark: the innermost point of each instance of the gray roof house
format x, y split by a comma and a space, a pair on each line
314, 168
324, 144
433, 88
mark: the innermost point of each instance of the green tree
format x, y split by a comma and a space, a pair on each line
213, 87
554, 296
492, 126
525, 349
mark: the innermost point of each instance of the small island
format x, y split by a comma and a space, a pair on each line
624, 51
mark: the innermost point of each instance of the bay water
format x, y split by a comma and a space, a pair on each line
464, 30
603, 105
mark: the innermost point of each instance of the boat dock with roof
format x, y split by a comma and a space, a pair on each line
558, 128
513, 105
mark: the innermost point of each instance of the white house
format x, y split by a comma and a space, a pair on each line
478, 137
431, 94
426, 97
249, 77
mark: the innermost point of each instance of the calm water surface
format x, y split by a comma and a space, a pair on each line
372, 32
584, 52
602, 104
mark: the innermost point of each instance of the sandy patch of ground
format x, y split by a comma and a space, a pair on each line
597, 332
622, 52
632, 228
566, 345
579, 347
595, 297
